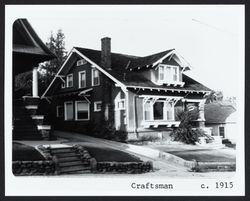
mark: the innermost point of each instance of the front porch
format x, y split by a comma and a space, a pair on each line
157, 114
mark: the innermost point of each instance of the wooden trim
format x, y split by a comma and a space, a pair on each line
192, 100
95, 106
164, 89
158, 96
65, 62
100, 69
161, 59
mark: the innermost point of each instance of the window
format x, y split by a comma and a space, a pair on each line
81, 62
59, 111
63, 85
168, 74
161, 73
222, 131
169, 107
158, 110
148, 111
68, 110
82, 79
120, 104
97, 106
95, 77
82, 110
69, 82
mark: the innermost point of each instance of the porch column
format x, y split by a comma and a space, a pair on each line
35, 83
201, 114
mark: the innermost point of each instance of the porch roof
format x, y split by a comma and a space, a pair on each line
28, 48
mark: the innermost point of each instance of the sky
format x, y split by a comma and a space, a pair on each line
209, 38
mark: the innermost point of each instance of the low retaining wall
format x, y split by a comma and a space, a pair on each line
214, 167
22, 168
124, 167
197, 166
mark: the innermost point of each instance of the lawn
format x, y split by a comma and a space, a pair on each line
22, 152
192, 152
102, 154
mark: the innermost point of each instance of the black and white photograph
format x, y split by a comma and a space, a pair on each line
124, 100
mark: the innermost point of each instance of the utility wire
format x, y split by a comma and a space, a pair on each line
214, 27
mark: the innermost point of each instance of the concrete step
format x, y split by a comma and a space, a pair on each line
72, 163
69, 159
74, 169
65, 155
62, 150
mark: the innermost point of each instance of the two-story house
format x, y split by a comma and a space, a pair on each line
140, 94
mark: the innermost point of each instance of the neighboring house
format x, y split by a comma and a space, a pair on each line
28, 51
221, 118
140, 95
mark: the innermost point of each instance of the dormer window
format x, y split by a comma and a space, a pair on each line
168, 74
81, 62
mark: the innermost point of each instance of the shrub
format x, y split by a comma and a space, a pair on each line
107, 131
185, 132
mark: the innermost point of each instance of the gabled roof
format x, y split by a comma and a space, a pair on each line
121, 65
218, 112
28, 48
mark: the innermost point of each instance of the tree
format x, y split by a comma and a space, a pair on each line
214, 96
49, 69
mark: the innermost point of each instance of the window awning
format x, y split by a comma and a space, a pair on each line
82, 93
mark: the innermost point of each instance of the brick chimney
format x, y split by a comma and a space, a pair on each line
106, 53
